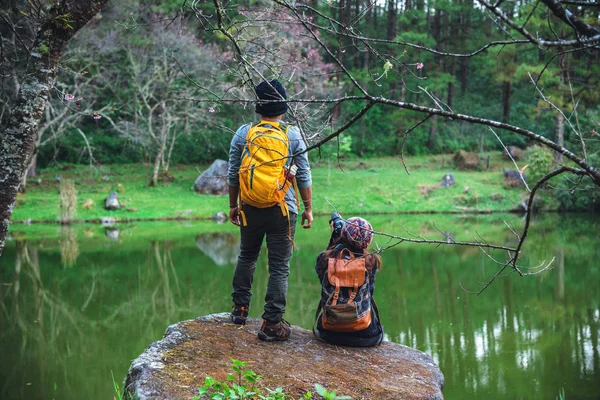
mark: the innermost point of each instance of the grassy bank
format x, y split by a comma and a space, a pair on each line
353, 186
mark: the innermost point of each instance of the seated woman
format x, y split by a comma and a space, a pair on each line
347, 314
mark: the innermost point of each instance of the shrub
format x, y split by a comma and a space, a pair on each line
540, 160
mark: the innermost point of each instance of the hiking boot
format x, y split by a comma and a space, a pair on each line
274, 331
239, 314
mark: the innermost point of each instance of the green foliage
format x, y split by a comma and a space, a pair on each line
339, 147
321, 391
120, 395
127, 57
540, 161
574, 194
243, 384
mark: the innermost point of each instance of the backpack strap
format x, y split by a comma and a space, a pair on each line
351, 255
317, 316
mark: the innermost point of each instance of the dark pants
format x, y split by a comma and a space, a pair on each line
280, 232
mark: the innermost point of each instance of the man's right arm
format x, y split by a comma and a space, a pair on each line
233, 179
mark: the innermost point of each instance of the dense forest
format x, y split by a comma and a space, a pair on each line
123, 82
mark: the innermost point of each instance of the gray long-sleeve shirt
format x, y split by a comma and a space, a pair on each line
297, 145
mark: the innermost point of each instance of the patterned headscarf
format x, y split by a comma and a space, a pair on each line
358, 232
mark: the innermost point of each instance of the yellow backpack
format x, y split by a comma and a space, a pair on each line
263, 172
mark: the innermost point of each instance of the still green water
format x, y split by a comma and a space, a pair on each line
81, 303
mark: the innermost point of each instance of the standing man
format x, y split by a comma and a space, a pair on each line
276, 222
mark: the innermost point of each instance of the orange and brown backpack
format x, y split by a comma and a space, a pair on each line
346, 299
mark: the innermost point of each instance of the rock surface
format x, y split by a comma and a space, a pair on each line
174, 367
214, 179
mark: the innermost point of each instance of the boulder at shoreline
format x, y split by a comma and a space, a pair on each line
174, 367
213, 180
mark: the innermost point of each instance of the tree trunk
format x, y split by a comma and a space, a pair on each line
170, 152
154, 179
31, 171
392, 18
432, 131
464, 74
559, 120
400, 130
559, 128
19, 137
162, 146
357, 53
506, 93
368, 18
466, 33
451, 83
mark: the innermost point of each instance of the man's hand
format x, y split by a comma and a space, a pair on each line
234, 215
308, 217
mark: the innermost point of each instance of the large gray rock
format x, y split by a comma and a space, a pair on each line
213, 180
514, 178
174, 367
112, 202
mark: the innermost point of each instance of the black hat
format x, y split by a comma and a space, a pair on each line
272, 90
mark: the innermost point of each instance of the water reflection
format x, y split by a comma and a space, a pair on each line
222, 247
112, 233
70, 327
531, 339
69, 248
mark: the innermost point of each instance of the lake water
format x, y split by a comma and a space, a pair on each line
80, 304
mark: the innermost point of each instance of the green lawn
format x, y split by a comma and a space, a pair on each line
379, 185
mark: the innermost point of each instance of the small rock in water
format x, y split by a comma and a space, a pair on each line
220, 217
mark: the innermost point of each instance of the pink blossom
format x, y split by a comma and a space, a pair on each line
211, 109
69, 97
419, 65
97, 116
